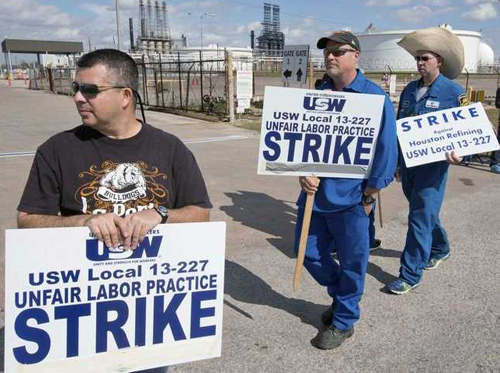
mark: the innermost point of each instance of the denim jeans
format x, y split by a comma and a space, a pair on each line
345, 281
424, 187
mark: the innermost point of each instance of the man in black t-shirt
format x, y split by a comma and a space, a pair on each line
114, 174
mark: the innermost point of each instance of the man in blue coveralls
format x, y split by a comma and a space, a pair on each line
440, 57
341, 206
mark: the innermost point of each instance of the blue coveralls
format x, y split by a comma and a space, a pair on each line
339, 216
424, 185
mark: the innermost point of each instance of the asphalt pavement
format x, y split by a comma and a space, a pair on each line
451, 323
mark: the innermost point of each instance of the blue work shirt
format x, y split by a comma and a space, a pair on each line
337, 194
442, 94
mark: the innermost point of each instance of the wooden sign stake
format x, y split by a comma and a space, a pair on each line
306, 221
380, 210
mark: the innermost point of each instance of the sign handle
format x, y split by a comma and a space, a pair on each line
306, 221
380, 210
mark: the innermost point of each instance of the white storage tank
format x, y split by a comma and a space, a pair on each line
486, 54
379, 50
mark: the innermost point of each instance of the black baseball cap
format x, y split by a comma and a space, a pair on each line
342, 37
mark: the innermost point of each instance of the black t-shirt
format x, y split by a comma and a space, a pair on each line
81, 171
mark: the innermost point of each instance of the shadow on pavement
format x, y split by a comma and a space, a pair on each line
266, 214
242, 285
386, 253
378, 273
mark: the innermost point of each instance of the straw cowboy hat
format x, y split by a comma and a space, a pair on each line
439, 41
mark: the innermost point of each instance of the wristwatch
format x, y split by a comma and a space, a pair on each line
163, 213
367, 200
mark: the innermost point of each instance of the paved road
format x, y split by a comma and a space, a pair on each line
451, 323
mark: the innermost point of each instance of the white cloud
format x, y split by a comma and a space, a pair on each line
437, 3
100, 10
409, 15
67, 33
255, 25
472, 2
199, 6
483, 12
398, 3
447, 10
31, 13
134, 4
309, 21
387, 2
212, 38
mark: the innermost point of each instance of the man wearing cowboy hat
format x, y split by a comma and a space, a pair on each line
439, 55
342, 206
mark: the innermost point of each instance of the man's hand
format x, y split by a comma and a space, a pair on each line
368, 208
397, 175
372, 192
109, 228
138, 225
453, 158
309, 184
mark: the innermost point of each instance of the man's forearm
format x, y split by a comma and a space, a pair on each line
188, 214
25, 220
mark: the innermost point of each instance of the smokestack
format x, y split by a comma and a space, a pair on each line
252, 39
131, 26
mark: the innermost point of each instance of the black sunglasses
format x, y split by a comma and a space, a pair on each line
423, 58
91, 90
337, 52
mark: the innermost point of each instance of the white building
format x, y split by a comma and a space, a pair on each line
380, 52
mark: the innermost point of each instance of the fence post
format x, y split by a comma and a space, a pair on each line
156, 86
51, 81
161, 77
310, 83
145, 81
230, 85
180, 81
201, 82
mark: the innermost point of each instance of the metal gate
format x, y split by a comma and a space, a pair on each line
192, 85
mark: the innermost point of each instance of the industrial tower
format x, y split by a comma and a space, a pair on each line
154, 30
271, 40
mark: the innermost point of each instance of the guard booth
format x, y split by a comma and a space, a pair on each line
38, 47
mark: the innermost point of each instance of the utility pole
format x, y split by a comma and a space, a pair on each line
118, 25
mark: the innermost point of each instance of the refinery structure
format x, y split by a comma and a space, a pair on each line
154, 36
154, 30
271, 41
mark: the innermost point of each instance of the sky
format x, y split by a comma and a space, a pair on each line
228, 22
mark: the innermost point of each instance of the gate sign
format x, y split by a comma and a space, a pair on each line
74, 305
244, 84
294, 67
426, 138
322, 133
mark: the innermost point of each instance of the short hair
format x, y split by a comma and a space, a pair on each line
122, 66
